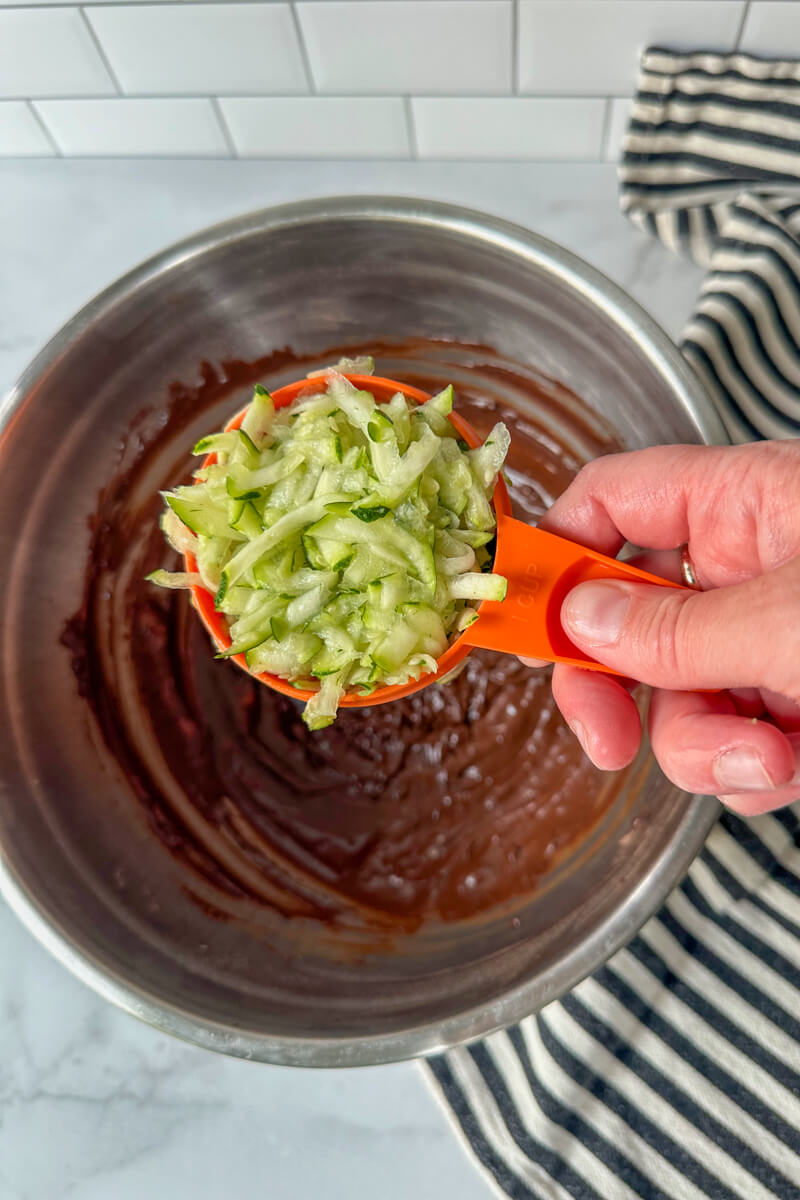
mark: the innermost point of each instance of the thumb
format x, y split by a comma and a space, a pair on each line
746, 635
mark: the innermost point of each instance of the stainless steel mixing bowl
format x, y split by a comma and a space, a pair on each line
78, 864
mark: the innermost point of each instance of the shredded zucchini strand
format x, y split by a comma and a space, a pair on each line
345, 542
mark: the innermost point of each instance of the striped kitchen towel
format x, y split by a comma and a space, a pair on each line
673, 1073
711, 166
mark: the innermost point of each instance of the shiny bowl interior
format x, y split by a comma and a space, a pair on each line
76, 859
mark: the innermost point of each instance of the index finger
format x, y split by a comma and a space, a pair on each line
655, 498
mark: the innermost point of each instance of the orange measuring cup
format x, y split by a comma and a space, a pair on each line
540, 567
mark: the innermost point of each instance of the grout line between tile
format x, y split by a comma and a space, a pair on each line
103, 56
606, 131
104, 157
481, 96
45, 128
155, 3
514, 47
298, 28
501, 160
317, 158
411, 127
224, 127
742, 24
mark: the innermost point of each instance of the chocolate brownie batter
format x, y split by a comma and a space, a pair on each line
435, 807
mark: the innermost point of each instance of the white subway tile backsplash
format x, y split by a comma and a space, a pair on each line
592, 47
60, 3
123, 126
21, 135
470, 79
617, 124
373, 46
772, 28
509, 127
201, 48
49, 53
317, 126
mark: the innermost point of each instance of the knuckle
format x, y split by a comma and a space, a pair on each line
664, 635
585, 484
776, 630
593, 475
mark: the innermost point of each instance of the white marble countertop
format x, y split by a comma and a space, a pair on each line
94, 1106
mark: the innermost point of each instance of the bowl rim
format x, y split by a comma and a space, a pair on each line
628, 916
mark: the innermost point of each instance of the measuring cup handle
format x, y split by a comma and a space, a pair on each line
541, 568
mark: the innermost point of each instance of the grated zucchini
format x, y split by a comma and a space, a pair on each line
345, 542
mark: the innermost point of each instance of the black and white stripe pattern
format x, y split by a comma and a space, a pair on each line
674, 1072
711, 166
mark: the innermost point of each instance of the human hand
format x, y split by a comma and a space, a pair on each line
738, 508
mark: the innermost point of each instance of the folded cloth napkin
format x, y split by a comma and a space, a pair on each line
711, 166
673, 1073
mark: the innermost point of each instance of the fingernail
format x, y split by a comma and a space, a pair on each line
794, 738
580, 733
596, 612
741, 769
